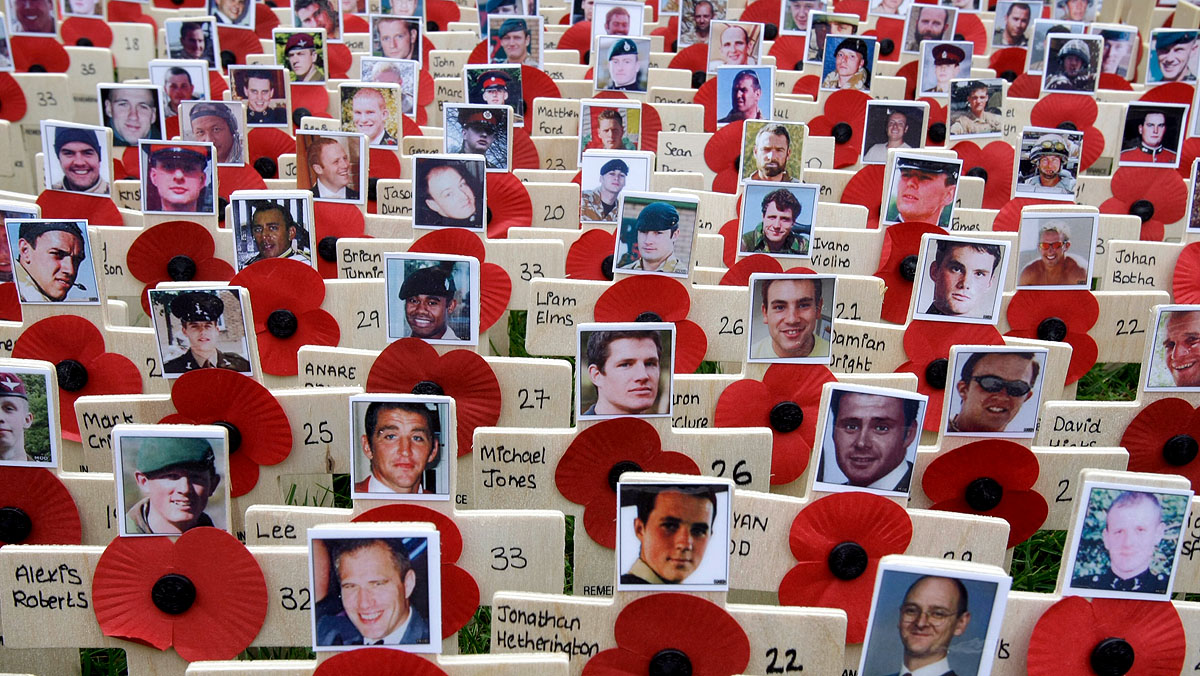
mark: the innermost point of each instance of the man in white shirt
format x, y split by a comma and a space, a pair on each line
872, 437
330, 166
933, 613
400, 440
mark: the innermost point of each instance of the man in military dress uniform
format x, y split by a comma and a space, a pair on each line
1149, 147
947, 59
977, 119
479, 128
178, 477
1074, 72
624, 72
1133, 528
657, 229
198, 313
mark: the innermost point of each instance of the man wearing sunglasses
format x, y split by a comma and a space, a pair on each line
993, 387
1053, 267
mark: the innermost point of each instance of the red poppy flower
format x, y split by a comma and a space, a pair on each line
460, 592
807, 84
1185, 281
98, 210
762, 11
131, 12
588, 471
37, 509
706, 96
785, 401
268, 143
286, 296
45, 52
508, 205
909, 72
1162, 438
334, 221
789, 51
838, 541
1075, 637
12, 98
990, 478
441, 13
412, 365
94, 30
669, 33
1115, 82
535, 84
590, 257
175, 251
668, 299
265, 21
1157, 196
723, 154
1081, 111
495, 287
739, 274
888, 29
994, 164
1008, 219
10, 303
579, 38
667, 630
524, 152
865, 188
731, 232
311, 97
693, 58
259, 431
241, 42
858, 7
383, 163
1187, 155
1169, 92
378, 662
1064, 316
969, 26
241, 177
76, 347
898, 266
204, 593
927, 345
843, 117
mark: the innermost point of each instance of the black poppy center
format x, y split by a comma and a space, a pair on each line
266, 167
606, 267
614, 473
670, 662
327, 249
1067, 125
173, 594
786, 416
984, 494
1009, 75
1180, 450
1052, 328
935, 374
1143, 209
235, 435
887, 46
648, 317
428, 387
15, 525
1112, 657
842, 133
937, 132
847, 560
908, 267
282, 324
72, 376
978, 172
84, 42
181, 268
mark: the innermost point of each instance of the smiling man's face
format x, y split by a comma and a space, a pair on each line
1181, 347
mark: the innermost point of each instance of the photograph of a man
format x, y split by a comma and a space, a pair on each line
793, 18
922, 190
1117, 57
928, 23
401, 443
746, 100
430, 300
1012, 23
823, 24
1072, 63
377, 588
941, 62
32, 17
396, 38
176, 178
964, 281
783, 225
472, 130
200, 314
655, 232
607, 129
625, 70
1047, 260
191, 40
264, 92
496, 87
1049, 159
317, 14
77, 161
933, 614
181, 83
219, 123
599, 204
733, 44
624, 368
847, 63
892, 125
792, 313
1175, 355
971, 110
874, 433
51, 257
1076, 10
274, 231
993, 387
371, 111
332, 167
1175, 56
18, 445
512, 41
1135, 552
698, 29
132, 112
767, 150
176, 478
617, 21
1153, 134
448, 191
238, 13
664, 532
303, 54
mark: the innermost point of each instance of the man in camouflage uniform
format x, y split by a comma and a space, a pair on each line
978, 119
657, 229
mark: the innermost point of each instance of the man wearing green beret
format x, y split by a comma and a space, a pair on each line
177, 476
623, 69
198, 313
514, 40
657, 229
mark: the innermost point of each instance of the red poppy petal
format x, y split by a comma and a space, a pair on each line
1066, 634
242, 177
441, 13
628, 298
713, 641
29, 51
724, 148
692, 58
121, 594
231, 599
582, 472
108, 373
617, 662
691, 344
509, 204
451, 241
600, 520
46, 501
800, 383
10, 303
1025, 512
578, 37
524, 151
739, 273
1054, 109
269, 142
1026, 86
95, 30
744, 403
377, 662
877, 524
219, 395
788, 50
383, 163
1014, 466
899, 242
812, 585
460, 598
149, 254
452, 539
534, 84
243, 474
313, 98
706, 95
239, 41
335, 220
495, 292
280, 283
865, 188
278, 355
585, 258
13, 97
98, 210
1150, 430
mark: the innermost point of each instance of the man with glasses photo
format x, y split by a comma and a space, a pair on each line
933, 613
992, 388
